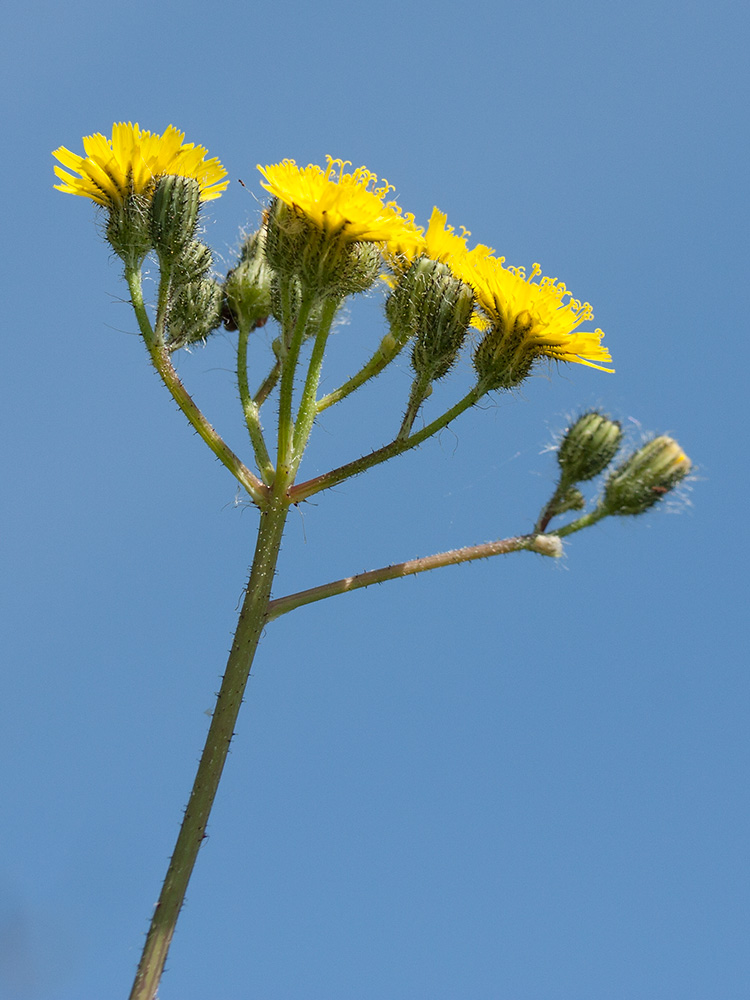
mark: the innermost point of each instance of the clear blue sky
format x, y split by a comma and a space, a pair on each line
518, 779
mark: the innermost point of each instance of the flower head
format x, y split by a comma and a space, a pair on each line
132, 161
526, 319
345, 205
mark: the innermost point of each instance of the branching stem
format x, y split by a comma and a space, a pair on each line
387, 350
532, 543
396, 447
163, 364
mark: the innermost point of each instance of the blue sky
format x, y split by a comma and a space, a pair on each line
519, 778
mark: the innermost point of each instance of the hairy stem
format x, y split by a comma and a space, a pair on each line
250, 409
268, 385
582, 522
253, 617
307, 408
292, 335
387, 350
542, 544
420, 390
163, 364
396, 447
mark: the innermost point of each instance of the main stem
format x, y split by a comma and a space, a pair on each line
253, 617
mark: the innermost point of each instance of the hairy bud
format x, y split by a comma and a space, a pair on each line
431, 305
589, 445
646, 477
247, 288
174, 215
194, 313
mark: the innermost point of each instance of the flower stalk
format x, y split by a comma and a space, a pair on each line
251, 410
163, 364
386, 352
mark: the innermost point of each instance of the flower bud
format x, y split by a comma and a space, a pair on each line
588, 447
174, 215
193, 263
570, 499
323, 261
504, 358
645, 477
430, 304
247, 288
194, 312
128, 229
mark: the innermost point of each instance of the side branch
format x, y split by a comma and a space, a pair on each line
162, 363
545, 545
164, 367
397, 447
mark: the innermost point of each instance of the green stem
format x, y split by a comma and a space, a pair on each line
252, 620
304, 490
250, 409
307, 409
532, 543
162, 305
161, 361
582, 522
548, 512
293, 338
420, 390
268, 385
387, 350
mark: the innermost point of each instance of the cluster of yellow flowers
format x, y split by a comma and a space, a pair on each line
353, 208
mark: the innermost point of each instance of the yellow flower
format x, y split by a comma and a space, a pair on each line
441, 243
529, 317
131, 161
341, 204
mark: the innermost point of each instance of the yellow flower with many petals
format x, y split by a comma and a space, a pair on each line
526, 319
440, 243
132, 161
345, 205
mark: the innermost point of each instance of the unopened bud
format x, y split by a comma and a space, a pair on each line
128, 229
570, 499
194, 312
174, 215
193, 263
247, 288
588, 447
646, 477
430, 304
505, 356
